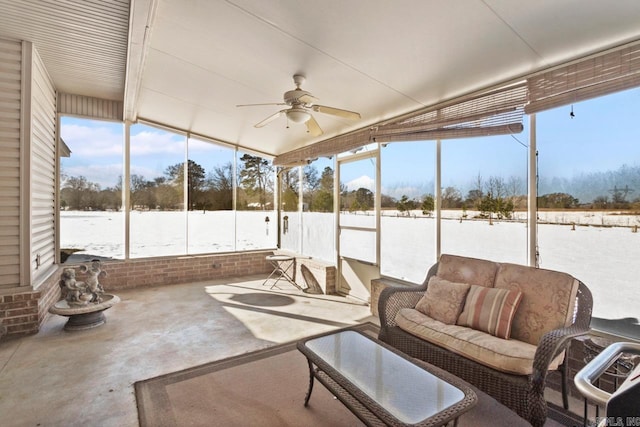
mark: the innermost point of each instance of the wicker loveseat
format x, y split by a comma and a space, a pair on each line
509, 360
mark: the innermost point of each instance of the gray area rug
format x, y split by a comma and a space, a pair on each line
267, 388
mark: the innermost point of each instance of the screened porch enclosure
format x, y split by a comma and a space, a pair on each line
477, 176
563, 193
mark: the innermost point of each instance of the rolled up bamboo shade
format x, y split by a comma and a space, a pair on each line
492, 113
590, 78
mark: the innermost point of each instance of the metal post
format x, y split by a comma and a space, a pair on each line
438, 198
126, 180
533, 195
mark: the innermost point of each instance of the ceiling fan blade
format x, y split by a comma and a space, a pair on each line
270, 119
351, 115
313, 127
308, 99
255, 105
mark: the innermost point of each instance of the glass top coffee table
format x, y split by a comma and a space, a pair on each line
382, 386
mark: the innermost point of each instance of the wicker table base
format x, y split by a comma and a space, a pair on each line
382, 386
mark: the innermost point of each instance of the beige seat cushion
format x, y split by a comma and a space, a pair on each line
511, 356
467, 270
548, 300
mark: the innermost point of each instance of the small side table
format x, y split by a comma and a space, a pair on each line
284, 268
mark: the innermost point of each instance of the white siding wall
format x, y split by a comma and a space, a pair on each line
27, 166
43, 169
86, 106
10, 114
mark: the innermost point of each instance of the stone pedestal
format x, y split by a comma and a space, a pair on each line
378, 285
84, 317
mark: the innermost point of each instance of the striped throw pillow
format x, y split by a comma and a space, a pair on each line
490, 310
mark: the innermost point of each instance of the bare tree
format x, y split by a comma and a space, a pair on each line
451, 198
515, 186
496, 187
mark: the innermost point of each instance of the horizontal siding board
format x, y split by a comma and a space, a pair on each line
7, 123
8, 190
43, 121
9, 213
6, 260
7, 186
43, 155
42, 224
9, 280
45, 252
11, 68
40, 236
43, 166
7, 133
44, 200
45, 159
10, 174
11, 95
41, 231
46, 176
41, 208
11, 237
9, 112
10, 205
8, 163
9, 56
10, 153
46, 259
41, 193
9, 221
8, 86
4, 250
10, 118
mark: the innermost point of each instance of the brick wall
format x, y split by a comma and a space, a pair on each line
23, 312
323, 272
19, 312
183, 269
49, 293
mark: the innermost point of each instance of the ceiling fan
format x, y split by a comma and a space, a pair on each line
302, 103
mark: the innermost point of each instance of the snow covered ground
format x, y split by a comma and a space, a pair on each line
604, 258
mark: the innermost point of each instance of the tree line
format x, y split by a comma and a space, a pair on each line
494, 196
500, 198
213, 190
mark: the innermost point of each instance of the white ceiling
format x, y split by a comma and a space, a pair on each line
199, 58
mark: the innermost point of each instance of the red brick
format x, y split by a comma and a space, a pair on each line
22, 328
20, 312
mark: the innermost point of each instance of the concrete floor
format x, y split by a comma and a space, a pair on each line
85, 378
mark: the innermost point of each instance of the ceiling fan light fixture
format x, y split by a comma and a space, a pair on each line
298, 115
302, 104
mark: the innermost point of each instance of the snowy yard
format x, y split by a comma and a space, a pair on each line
604, 258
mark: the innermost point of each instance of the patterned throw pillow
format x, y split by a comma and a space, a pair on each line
490, 310
443, 300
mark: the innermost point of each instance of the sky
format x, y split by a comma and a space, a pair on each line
602, 136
